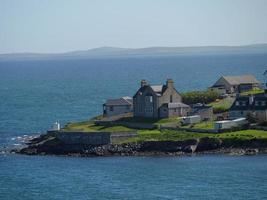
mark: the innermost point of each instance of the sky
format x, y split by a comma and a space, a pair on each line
51, 26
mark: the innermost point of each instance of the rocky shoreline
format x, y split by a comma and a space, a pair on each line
49, 145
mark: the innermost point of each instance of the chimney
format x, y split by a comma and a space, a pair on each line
143, 83
251, 99
169, 83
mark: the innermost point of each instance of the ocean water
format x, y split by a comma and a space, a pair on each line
34, 94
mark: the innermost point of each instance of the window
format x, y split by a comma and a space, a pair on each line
243, 103
237, 103
149, 99
127, 107
149, 109
171, 98
263, 103
111, 108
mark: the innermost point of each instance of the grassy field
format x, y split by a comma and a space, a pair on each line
201, 125
253, 92
222, 105
152, 121
89, 126
170, 135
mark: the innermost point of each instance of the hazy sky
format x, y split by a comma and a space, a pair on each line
67, 25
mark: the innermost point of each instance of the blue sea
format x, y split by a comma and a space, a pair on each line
34, 94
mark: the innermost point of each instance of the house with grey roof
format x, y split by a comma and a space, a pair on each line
256, 106
117, 106
204, 111
235, 84
158, 101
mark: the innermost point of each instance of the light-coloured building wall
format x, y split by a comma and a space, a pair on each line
261, 115
117, 109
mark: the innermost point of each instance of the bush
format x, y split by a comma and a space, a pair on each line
221, 109
199, 97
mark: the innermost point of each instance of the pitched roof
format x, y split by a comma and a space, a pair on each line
199, 106
237, 80
258, 103
158, 89
245, 104
119, 102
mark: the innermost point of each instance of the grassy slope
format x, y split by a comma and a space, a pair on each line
253, 92
89, 126
169, 135
222, 104
201, 125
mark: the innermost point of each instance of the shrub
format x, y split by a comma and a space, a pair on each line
199, 97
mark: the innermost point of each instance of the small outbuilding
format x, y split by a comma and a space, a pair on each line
204, 111
119, 106
174, 110
191, 119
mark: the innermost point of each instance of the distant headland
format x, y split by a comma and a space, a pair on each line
115, 52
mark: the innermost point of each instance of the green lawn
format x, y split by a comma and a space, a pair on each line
204, 125
222, 105
151, 120
89, 126
171, 135
254, 91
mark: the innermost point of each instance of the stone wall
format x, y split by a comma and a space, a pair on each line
93, 138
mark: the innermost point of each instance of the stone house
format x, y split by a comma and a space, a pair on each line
173, 110
158, 101
256, 106
204, 111
235, 84
117, 106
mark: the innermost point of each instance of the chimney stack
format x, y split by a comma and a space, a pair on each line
251, 99
143, 83
169, 82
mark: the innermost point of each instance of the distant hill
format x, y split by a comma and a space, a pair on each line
107, 52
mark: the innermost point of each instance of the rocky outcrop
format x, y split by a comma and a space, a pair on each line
51, 145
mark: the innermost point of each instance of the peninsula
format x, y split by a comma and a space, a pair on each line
229, 117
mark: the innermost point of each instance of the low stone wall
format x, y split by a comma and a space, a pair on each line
93, 138
264, 128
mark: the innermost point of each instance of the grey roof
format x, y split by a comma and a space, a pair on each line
199, 106
157, 88
119, 102
177, 105
252, 105
237, 80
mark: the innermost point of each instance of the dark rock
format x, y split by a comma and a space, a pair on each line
206, 144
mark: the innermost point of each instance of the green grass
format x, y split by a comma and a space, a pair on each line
222, 105
171, 135
151, 120
89, 126
253, 91
204, 125
168, 135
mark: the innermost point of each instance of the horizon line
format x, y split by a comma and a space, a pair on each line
126, 48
